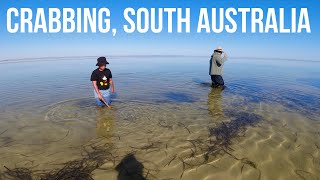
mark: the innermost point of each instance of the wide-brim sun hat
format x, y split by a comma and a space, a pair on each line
219, 48
102, 61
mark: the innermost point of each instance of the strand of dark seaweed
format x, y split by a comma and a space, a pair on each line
72, 170
220, 139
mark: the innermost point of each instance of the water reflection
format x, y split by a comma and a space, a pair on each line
105, 122
215, 104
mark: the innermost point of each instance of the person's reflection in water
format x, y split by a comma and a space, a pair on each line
215, 104
105, 122
130, 168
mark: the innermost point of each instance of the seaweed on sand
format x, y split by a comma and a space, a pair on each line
218, 143
305, 175
78, 169
180, 124
93, 157
220, 140
19, 173
225, 132
165, 125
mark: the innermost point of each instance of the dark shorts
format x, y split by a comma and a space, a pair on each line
217, 81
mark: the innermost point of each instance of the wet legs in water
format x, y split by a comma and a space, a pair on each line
217, 81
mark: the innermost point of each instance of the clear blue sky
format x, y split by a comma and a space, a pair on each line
297, 46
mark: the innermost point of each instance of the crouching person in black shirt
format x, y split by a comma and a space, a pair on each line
102, 81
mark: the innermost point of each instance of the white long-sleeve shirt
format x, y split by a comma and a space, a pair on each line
214, 68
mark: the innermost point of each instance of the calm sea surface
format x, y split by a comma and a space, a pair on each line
167, 122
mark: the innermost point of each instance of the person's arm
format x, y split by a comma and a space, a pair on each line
222, 60
94, 83
95, 87
111, 82
112, 85
225, 57
219, 60
210, 65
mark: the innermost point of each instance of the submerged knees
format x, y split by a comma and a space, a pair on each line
217, 81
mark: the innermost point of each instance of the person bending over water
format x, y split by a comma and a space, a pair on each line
102, 80
216, 67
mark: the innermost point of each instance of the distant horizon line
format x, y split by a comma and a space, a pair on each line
150, 55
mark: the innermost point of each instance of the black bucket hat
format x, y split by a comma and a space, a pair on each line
102, 61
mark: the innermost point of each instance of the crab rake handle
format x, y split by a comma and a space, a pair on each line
105, 103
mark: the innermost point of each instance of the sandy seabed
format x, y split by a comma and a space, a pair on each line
168, 141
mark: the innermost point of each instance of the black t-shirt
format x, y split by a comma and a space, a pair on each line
102, 78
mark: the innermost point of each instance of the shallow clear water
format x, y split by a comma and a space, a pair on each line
166, 114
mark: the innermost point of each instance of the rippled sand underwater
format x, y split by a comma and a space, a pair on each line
212, 134
170, 140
